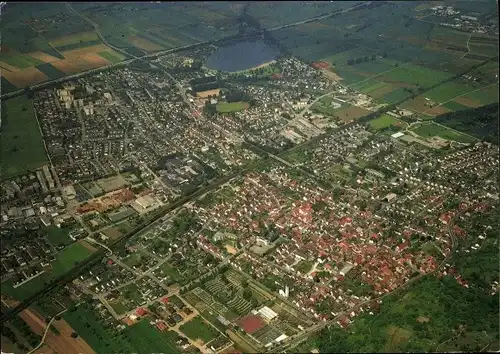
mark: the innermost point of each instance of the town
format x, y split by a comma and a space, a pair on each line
233, 211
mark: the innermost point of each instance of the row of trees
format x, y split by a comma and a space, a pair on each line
364, 59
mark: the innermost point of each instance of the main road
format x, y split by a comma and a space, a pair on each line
160, 53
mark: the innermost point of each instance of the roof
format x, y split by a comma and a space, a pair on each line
397, 135
251, 324
140, 311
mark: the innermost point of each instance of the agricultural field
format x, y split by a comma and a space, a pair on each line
50, 71
415, 75
104, 338
455, 106
226, 107
350, 113
58, 338
75, 38
20, 61
478, 98
21, 142
447, 91
429, 130
33, 54
112, 56
385, 121
197, 329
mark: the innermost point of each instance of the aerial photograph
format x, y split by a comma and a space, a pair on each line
225, 177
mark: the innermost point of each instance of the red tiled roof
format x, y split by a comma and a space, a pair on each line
140, 311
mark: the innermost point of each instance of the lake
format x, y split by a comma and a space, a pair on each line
241, 56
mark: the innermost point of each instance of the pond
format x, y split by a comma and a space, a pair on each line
241, 56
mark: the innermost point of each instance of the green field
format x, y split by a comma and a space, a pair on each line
226, 107
21, 61
146, 339
348, 76
384, 121
485, 96
447, 91
138, 338
167, 270
7, 86
112, 57
416, 75
396, 96
197, 328
78, 45
68, 258
74, 38
370, 86
455, 106
118, 307
21, 143
27, 289
431, 129
51, 71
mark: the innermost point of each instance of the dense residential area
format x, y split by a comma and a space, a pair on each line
257, 177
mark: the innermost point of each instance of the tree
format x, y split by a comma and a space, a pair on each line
74, 335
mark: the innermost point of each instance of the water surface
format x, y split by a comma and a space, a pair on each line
241, 56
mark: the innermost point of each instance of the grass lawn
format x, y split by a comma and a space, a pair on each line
226, 107
118, 307
27, 289
167, 270
97, 333
68, 258
197, 328
432, 129
21, 61
111, 56
147, 339
138, 338
384, 121
57, 236
20, 140
133, 260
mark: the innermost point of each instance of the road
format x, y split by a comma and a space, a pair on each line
46, 331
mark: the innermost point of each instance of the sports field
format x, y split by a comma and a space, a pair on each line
385, 121
430, 130
226, 107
